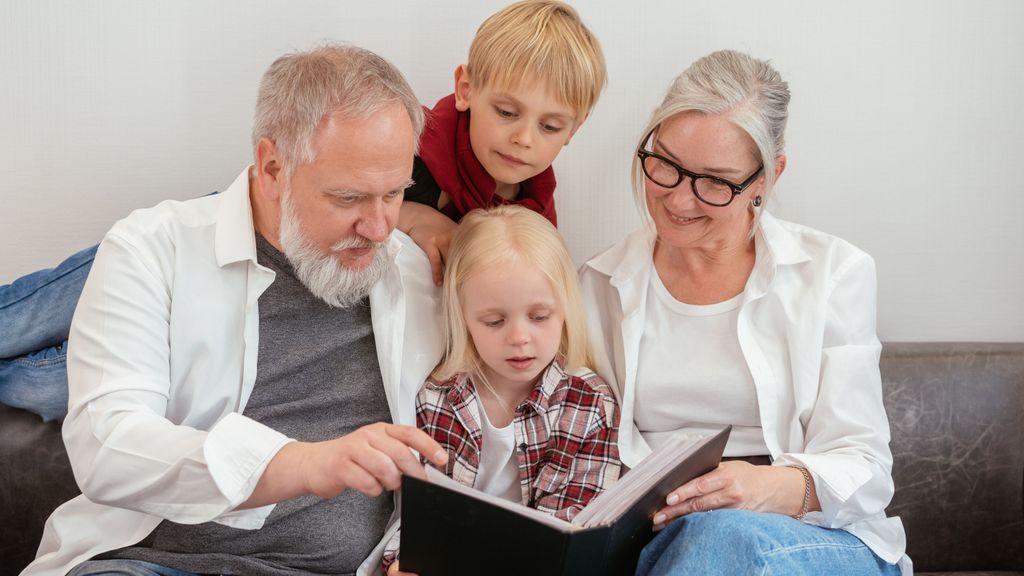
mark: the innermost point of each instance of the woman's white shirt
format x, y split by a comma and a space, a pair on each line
806, 329
691, 377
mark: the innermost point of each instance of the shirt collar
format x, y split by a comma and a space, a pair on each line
235, 236
623, 261
776, 246
540, 398
783, 245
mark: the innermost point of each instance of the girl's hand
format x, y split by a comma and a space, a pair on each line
394, 571
737, 484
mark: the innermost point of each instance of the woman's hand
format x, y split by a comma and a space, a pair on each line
394, 571
737, 484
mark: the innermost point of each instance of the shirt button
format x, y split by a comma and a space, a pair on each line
522, 447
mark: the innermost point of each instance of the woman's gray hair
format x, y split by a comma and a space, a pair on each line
746, 91
299, 90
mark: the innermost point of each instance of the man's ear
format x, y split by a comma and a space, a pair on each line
575, 128
462, 88
268, 170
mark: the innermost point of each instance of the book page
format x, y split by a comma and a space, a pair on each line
613, 502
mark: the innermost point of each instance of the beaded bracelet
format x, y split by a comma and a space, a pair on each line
807, 492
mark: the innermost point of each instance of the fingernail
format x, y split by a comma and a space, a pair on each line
441, 456
659, 519
672, 499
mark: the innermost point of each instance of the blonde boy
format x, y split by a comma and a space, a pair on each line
533, 75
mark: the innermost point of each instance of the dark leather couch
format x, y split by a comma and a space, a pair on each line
956, 412
957, 416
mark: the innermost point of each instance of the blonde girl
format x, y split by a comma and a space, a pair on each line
513, 402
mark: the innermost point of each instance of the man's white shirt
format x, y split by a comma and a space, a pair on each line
161, 363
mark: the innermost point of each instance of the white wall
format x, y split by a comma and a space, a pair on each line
906, 130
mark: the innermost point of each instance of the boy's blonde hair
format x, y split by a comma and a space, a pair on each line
541, 40
493, 237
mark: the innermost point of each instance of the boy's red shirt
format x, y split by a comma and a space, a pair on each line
446, 150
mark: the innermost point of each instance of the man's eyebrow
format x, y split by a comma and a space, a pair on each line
348, 192
339, 192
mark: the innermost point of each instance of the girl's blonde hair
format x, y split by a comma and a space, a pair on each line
544, 41
499, 236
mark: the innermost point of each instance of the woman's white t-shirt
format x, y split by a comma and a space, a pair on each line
692, 375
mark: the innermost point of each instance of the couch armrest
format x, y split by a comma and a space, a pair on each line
956, 411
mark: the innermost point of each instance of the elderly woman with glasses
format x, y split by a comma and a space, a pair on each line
716, 313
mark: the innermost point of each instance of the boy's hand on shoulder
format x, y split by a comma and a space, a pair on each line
431, 230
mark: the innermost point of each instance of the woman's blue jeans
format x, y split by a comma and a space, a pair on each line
740, 542
35, 317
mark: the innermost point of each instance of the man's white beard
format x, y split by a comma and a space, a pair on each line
321, 273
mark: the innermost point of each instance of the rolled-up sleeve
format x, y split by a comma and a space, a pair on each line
124, 450
847, 434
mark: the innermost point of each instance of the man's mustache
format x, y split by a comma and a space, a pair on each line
355, 242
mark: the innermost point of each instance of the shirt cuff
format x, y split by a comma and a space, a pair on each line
237, 452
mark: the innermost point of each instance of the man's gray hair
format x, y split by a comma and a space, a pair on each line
746, 91
300, 90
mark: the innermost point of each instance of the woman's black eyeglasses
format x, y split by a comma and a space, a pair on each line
708, 189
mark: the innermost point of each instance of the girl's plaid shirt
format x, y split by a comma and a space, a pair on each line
566, 434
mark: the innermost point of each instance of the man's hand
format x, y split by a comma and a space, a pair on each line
737, 484
371, 459
431, 230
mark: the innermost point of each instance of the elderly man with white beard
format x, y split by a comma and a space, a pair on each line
243, 366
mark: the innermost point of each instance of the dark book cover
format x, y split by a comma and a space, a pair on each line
450, 533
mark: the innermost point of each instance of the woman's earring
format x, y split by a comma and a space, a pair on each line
757, 201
